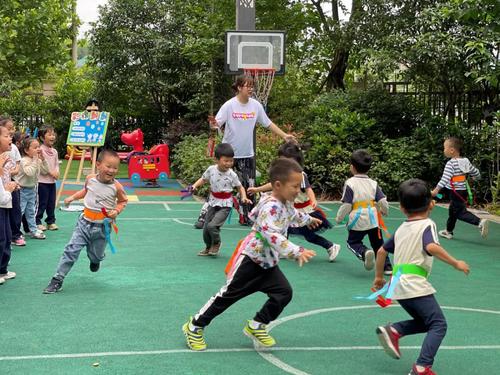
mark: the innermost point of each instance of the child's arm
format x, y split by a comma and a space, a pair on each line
198, 183
14, 171
440, 253
379, 268
381, 200
44, 166
29, 167
243, 195
312, 197
260, 189
79, 194
121, 201
445, 178
346, 206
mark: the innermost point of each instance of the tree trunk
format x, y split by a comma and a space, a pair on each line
335, 78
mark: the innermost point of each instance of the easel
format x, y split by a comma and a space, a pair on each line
80, 169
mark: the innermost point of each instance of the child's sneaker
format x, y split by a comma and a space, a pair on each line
7, 276
214, 250
94, 267
444, 233
54, 286
194, 338
483, 227
259, 335
333, 251
427, 371
2, 280
389, 341
19, 242
199, 224
388, 270
41, 227
369, 260
38, 235
204, 253
52, 227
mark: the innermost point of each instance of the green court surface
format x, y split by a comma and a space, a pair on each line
127, 318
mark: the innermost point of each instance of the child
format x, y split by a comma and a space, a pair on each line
454, 179
100, 192
414, 245
305, 203
15, 215
6, 188
361, 199
47, 181
222, 180
32, 163
256, 268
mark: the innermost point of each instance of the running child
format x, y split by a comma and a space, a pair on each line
103, 198
255, 267
454, 181
306, 203
222, 180
415, 245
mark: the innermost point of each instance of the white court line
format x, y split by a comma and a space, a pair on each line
167, 207
325, 208
179, 220
156, 219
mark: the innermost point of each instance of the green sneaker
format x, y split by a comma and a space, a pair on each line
194, 339
259, 335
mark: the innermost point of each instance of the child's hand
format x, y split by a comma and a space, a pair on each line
314, 203
4, 158
11, 186
462, 266
305, 256
112, 214
314, 223
68, 201
213, 122
54, 175
435, 192
378, 283
252, 190
246, 201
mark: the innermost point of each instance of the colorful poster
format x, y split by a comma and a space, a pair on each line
88, 128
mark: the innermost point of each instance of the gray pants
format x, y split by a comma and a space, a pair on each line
214, 219
86, 234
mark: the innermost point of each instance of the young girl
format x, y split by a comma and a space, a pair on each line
47, 181
306, 203
6, 188
32, 163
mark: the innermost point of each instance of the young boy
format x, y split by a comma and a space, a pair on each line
100, 192
222, 180
256, 269
414, 245
454, 179
361, 199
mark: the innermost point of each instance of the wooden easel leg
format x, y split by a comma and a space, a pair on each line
94, 158
80, 167
59, 193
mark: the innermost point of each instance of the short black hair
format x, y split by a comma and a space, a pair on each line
4, 120
242, 81
293, 151
93, 101
414, 196
361, 160
224, 149
107, 152
456, 143
44, 130
282, 168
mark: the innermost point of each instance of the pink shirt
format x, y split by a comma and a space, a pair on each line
50, 155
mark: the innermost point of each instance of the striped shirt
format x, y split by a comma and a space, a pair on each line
457, 167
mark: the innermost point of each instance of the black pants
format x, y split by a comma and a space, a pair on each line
46, 203
427, 318
247, 279
245, 169
311, 236
15, 216
458, 210
356, 245
5, 238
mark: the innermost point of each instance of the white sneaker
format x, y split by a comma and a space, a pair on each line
2, 280
7, 276
483, 227
444, 233
41, 227
369, 259
333, 251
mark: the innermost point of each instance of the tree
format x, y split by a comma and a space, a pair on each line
35, 37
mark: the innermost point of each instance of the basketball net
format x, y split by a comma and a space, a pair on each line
263, 82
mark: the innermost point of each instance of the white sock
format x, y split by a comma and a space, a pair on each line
192, 327
253, 324
420, 368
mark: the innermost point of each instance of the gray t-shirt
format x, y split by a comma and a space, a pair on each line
240, 120
221, 182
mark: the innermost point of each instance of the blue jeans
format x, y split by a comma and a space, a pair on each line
427, 318
86, 234
28, 206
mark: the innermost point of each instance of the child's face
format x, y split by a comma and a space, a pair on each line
5, 139
448, 150
50, 138
10, 127
34, 149
225, 163
92, 108
108, 168
288, 190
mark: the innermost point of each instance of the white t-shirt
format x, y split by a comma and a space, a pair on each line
15, 155
221, 182
240, 120
409, 247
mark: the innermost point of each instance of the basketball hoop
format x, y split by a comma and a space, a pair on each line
263, 82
